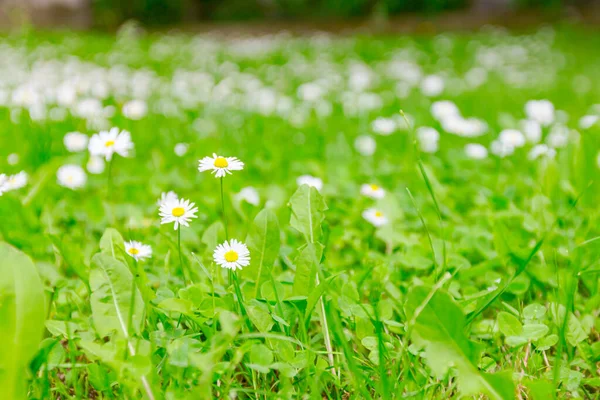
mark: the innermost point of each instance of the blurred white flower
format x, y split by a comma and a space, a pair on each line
541, 111
428, 139
2, 184
95, 165
365, 145
384, 126
71, 176
310, 180
588, 121
135, 109
14, 182
476, 151
532, 130
12, 159
558, 136
181, 149
75, 141
501, 149
440, 110
540, 150
372, 190
432, 85
375, 217
249, 195
512, 137
167, 196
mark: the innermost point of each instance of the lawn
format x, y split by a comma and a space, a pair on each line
295, 217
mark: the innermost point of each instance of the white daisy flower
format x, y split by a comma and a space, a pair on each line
588, 121
167, 196
71, 176
138, 250
181, 149
372, 190
75, 141
12, 159
384, 126
220, 165
249, 195
365, 145
232, 254
541, 111
106, 143
2, 184
310, 180
180, 211
375, 217
14, 182
96, 165
476, 151
512, 137
135, 109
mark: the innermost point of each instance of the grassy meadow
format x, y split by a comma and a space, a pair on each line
376, 217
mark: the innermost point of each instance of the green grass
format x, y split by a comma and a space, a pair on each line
484, 282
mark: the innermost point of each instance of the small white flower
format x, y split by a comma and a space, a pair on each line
372, 190
375, 217
512, 137
106, 143
558, 136
532, 130
541, 111
440, 110
71, 176
428, 139
75, 141
232, 255
310, 180
588, 121
365, 145
432, 85
249, 195
476, 151
12, 159
96, 165
501, 149
2, 184
220, 166
541, 150
384, 126
135, 109
181, 149
138, 250
167, 196
14, 182
180, 211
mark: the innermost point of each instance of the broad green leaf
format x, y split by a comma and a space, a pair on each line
534, 331
111, 299
260, 317
22, 315
308, 211
574, 332
307, 266
440, 328
112, 243
261, 358
263, 242
508, 324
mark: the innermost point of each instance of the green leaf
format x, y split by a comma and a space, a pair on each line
22, 315
508, 324
535, 331
213, 235
260, 317
307, 265
308, 211
439, 327
263, 242
261, 358
112, 243
111, 299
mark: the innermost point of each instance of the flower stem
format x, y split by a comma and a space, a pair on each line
223, 210
109, 178
183, 270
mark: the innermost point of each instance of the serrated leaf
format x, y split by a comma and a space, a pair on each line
111, 283
440, 328
22, 315
308, 211
263, 242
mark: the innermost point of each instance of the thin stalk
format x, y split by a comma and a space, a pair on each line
109, 178
186, 278
223, 210
326, 334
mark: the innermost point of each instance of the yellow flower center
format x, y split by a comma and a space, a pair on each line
378, 214
231, 256
109, 143
374, 187
134, 251
221, 162
178, 211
